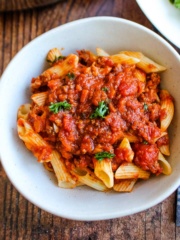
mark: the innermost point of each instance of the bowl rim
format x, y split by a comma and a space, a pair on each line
102, 216
88, 19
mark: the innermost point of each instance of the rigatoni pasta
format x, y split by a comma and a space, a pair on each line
99, 120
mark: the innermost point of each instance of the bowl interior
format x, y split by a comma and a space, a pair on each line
28, 176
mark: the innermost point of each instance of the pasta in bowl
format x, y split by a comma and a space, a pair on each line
82, 202
98, 120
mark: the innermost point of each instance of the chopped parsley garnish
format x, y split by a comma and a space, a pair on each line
145, 142
145, 107
105, 89
56, 59
100, 111
56, 107
71, 75
60, 57
101, 155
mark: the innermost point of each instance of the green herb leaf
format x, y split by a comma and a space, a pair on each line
56, 107
71, 75
145, 107
101, 155
100, 111
145, 142
105, 89
56, 59
60, 57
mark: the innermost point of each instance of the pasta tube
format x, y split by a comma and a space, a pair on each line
129, 171
103, 170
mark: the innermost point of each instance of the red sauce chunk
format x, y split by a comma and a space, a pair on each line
163, 141
146, 157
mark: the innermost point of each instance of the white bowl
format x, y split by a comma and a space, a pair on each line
28, 176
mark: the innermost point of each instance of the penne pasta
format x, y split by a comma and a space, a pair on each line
122, 58
61, 68
163, 144
164, 149
131, 137
145, 63
167, 108
34, 141
39, 98
149, 66
126, 150
87, 177
23, 111
140, 75
164, 164
48, 166
53, 55
65, 179
101, 52
129, 171
161, 135
126, 185
103, 170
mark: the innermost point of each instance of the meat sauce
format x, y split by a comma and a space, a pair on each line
132, 104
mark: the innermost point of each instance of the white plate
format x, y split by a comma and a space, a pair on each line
27, 175
164, 16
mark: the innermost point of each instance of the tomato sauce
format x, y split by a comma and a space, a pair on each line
78, 136
146, 156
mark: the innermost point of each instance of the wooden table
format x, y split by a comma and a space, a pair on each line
19, 218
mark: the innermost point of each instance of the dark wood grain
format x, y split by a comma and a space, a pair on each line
15, 5
21, 220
